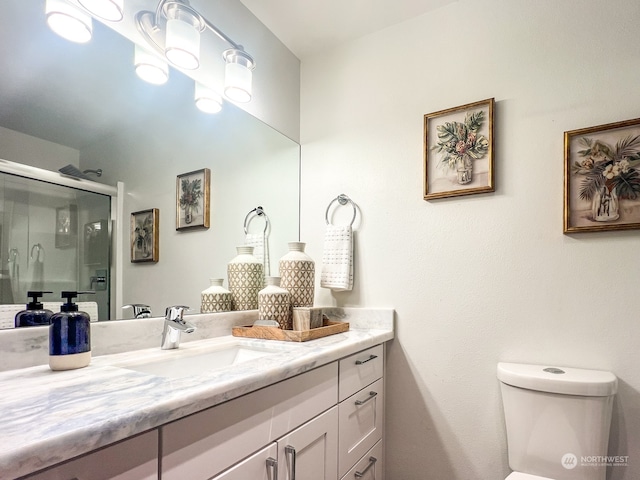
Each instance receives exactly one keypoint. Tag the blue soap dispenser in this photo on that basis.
(35, 314)
(69, 336)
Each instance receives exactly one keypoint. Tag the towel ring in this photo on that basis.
(342, 199)
(259, 212)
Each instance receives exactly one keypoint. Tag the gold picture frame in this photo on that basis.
(458, 151)
(193, 199)
(145, 236)
(602, 177)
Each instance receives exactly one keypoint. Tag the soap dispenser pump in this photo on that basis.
(35, 314)
(69, 336)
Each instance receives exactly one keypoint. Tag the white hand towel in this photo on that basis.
(337, 258)
(260, 244)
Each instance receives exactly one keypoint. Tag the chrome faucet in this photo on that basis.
(174, 325)
(139, 310)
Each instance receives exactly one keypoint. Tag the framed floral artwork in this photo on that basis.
(192, 199)
(458, 151)
(602, 178)
(145, 236)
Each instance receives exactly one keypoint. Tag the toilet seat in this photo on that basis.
(525, 476)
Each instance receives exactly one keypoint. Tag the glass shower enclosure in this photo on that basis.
(54, 238)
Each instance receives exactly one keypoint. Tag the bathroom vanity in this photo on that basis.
(314, 405)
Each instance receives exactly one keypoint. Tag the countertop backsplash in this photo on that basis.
(29, 346)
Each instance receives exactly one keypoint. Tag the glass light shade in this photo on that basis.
(149, 67)
(68, 21)
(111, 10)
(182, 41)
(238, 75)
(207, 100)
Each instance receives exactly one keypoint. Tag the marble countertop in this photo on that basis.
(49, 417)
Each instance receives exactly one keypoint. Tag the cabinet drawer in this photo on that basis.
(360, 424)
(359, 370)
(132, 459)
(202, 445)
(260, 466)
(370, 467)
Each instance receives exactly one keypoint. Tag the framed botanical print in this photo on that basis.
(458, 151)
(602, 177)
(145, 236)
(192, 199)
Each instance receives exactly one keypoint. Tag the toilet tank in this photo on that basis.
(557, 419)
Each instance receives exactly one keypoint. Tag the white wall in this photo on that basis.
(21, 148)
(480, 279)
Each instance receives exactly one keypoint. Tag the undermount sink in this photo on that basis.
(182, 362)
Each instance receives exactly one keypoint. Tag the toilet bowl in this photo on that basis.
(554, 417)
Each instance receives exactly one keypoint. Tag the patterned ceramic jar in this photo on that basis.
(216, 298)
(274, 303)
(246, 279)
(297, 273)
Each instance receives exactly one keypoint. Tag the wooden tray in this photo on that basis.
(275, 333)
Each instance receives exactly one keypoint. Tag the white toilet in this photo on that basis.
(557, 421)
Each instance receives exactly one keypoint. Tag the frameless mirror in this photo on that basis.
(63, 103)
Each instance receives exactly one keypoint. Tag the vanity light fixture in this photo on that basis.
(68, 21)
(149, 67)
(206, 99)
(174, 30)
(237, 75)
(111, 10)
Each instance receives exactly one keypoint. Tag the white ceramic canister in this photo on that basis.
(274, 303)
(297, 273)
(216, 298)
(246, 278)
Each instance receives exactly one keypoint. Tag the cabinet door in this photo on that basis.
(310, 452)
(132, 459)
(260, 466)
(369, 467)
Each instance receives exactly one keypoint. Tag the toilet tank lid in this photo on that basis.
(563, 380)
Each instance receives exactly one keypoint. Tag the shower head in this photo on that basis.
(74, 172)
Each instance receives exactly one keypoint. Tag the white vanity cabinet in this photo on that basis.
(324, 424)
(132, 459)
(203, 445)
(361, 411)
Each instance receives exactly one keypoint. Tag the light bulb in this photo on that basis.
(111, 10)
(68, 21)
(149, 67)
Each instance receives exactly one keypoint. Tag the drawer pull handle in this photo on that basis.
(371, 357)
(372, 462)
(371, 395)
(272, 468)
(290, 453)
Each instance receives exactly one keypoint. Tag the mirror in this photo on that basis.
(87, 101)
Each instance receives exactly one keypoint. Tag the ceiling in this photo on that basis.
(307, 27)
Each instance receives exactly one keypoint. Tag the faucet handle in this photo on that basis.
(175, 312)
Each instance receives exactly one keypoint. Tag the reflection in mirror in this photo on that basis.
(52, 238)
(63, 103)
